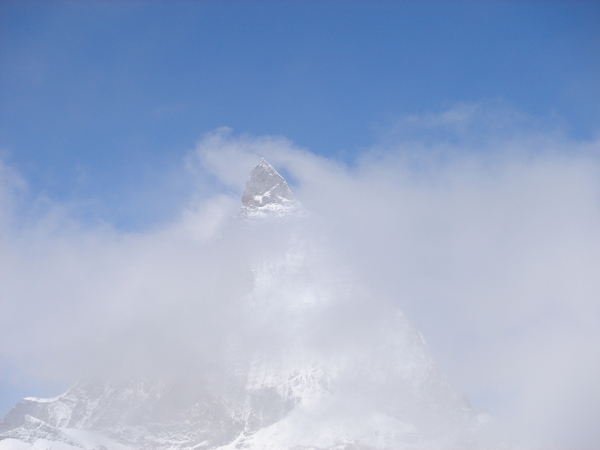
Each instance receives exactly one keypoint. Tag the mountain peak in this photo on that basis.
(266, 193)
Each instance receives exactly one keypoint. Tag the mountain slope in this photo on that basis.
(328, 371)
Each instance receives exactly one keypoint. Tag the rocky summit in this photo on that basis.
(267, 194)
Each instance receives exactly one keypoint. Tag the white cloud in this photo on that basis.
(491, 245)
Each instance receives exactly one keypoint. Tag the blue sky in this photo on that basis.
(102, 106)
(99, 99)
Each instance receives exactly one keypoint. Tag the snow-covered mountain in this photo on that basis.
(267, 194)
(375, 388)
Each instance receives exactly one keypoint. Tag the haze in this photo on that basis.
(465, 192)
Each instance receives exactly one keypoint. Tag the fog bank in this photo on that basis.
(483, 226)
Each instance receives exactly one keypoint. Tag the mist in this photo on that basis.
(480, 224)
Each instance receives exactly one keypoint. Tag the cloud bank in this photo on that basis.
(481, 224)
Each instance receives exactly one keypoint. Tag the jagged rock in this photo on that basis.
(267, 194)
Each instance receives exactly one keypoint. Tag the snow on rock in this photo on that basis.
(267, 194)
